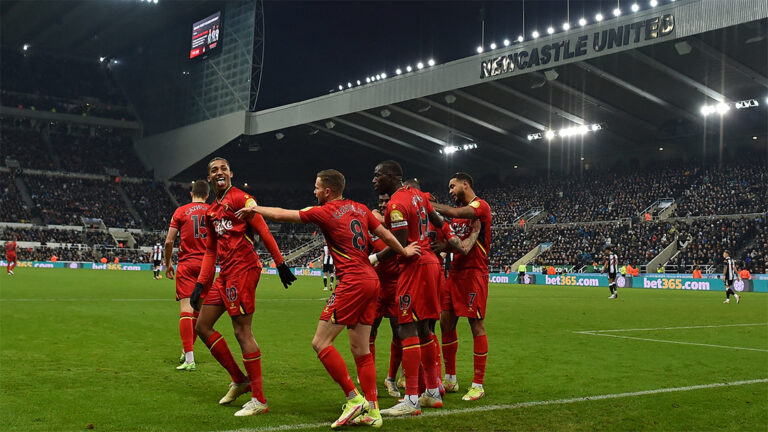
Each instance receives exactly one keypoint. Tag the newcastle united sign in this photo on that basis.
(601, 41)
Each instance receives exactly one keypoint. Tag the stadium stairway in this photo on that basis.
(24, 192)
(130, 207)
(531, 255)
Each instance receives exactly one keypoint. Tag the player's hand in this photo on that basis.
(169, 271)
(246, 212)
(438, 247)
(286, 276)
(194, 299)
(476, 225)
(377, 214)
(412, 250)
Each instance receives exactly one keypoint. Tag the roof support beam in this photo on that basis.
(500, 110)
(382, 136)
(536, 102)
(685, 79)
(636, 90)
(403, 128)
(467, 117)
(729, 61)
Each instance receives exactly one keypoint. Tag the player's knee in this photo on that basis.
(319, 344)
(203, 330)
(477, 326)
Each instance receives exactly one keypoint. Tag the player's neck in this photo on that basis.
(198, 200)
(467, 201)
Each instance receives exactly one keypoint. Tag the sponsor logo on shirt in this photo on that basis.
(222, 226)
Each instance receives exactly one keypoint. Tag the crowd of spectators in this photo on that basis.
(12, 207)
(43, 235)
(706, 239)
(152, 202)
(735, 189)
(23, 144)
(755, 257)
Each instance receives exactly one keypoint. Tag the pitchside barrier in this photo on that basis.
(758, 283)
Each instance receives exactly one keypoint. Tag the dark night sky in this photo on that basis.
(313, 46)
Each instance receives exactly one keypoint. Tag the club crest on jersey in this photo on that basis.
(395, 216)
(474, 204)
(222, 226)
(461, 230)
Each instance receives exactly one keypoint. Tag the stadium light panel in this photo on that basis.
(596, 127)
(479, 50)
(617, 12)
(367, 79)
(599, 17)
(566, 26)
(349, 85)
(635, 7)
(378, 77)
(506, 42)
(101, 59)
(549, 134)
(358, 82)
(341, 87)
(493, 45)
(582, 22)
(654, 3)
(155, 2)
(661, 148)
(431, 62)
(420, 65)
(383, 75)
(722, 108)
(25, 47)
(398, 71)
(520, 38)
(535, 34)
(582, 158)
(754, 138)
(706, 110)
(550, 30)
(408, 68)
(515, 166)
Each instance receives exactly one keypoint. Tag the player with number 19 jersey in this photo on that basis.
(189, 220)
(417, 287)
(345, 225)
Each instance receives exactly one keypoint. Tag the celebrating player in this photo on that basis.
(188, 221)
(466, 293)
(408, 215)
(729, 276)
(611, 265)
(10, 256)
(232, 241)
(345, 225)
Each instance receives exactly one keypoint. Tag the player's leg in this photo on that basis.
(728, 291)
(395, 357)
(372, 338)
(333, 276)
(476, 391)
(366, 370)
(450, 343)
(409, 336)
(438, 356)
(216, 343)
(252, 362)
(187, 321)
(431, 397)
(325, 279)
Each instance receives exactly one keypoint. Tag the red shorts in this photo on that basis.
(186, 278)
(417, 292)
(466, 294)
(352, 303)
(10, 257)
(236, 291)
(387, 302)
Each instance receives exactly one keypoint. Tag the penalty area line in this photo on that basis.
(486, 408)
(673, 328)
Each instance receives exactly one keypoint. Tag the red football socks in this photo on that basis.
(223, 355)
(450, 346)
(481, 356)
(372, 347)
(252, 363)
(187, 330)
(336, 367)
(366, 371)
(411, 362)
(438, 357)
(429, 362)
(395, 357)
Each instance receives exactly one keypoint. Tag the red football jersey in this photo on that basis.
(478, 255)
(234, 237)
(189, 219)
(409, 208)
(345, 225)
(388, 270)
(10, 247)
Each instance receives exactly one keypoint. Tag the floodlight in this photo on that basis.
(25, 47)
(378, 77)
(479, 50)
(398, 71)
(493, 45)
(654, 3)
(550, 30)
(349, 85)
(582, 22)
(635, 7)
(431, 62)
(515, 166)
(367, 79)
(722, 108)
(358, 82)
(341, 87)
(101, 59)
(661, 148)
(707, 110)
(520, 38)
(420, 65)
(383, 75)
(616, 12)
(408, 68)
(535, 34)
(506, 42)
(599, 17)
(549, 134)
(566, 26)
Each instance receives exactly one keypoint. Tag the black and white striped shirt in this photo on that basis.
(157, 252)
(730, 269)
(327, 258)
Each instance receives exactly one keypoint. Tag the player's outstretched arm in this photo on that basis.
(395, 245)
(465, 212)
(170, 239)
(207, 268)
(276, 214)
(258, 223)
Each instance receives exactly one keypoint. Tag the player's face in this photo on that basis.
(383, 200)
(456, 189)
(321, 192)
(220, 175)
(382, 182)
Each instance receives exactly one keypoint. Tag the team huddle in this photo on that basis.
(388, 265)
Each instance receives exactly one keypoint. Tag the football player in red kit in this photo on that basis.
(188, 222)
(345, 225)
(10, 256)
(231, 240)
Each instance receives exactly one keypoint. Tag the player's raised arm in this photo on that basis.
(258, 223)
(276, 214)
(464, 212)
(453, 240)
(395, 245)
(170, 239)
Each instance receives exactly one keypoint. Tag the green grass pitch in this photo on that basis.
(97, 349)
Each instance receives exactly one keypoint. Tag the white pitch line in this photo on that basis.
(485, 408)
(672, 328)
(674, 342)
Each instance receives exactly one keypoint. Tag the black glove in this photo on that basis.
(194, 299)
(286, 276)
